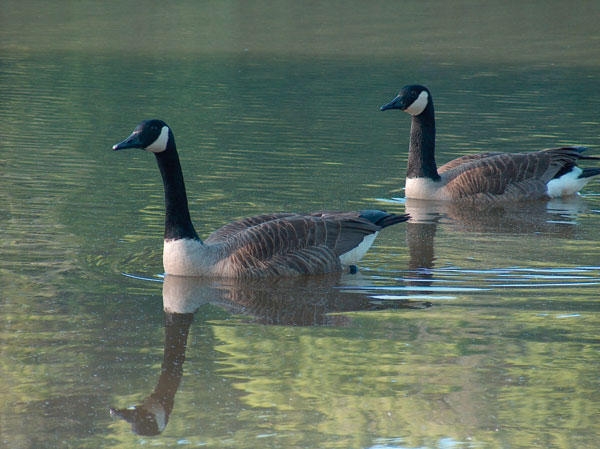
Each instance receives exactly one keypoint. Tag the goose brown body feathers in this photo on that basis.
(484, 177)
(281, 244)
(506, 176)
(290, 244)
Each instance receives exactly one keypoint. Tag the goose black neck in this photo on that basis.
(421, 155)
(178, 224)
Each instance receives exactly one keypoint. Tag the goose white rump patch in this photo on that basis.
(568, 184)
(354, 255)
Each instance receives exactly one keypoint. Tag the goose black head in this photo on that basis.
(412, 99)
(150, 135)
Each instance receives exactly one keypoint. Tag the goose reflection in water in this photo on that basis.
(283, 301)
(553, 218)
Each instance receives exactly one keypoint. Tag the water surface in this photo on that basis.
(465, 328)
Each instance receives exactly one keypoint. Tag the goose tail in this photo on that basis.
(382, 218)
(580, 150)
(589, 172)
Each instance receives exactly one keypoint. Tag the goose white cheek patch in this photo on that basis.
(160, 144)
(419, 104)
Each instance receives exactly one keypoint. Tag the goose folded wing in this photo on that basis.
(464, 160)
(229, 230)
(298, 244)
(508, 173)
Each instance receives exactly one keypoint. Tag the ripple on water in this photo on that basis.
(451, 283)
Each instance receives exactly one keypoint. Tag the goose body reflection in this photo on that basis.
(305, 301)
(555, 217)
(302, 301)
(270, 245)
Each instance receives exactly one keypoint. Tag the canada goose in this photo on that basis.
(281, 244)
(483, 177)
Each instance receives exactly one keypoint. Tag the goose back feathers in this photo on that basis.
(511, 176)
(281, 244)
(484, 177)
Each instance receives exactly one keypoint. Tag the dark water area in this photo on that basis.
(467, 327)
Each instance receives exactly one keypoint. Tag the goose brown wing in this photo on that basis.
(226, 232)
(297, 244)
(465, 160)
(508, 176)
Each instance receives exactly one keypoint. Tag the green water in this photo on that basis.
(464, 328)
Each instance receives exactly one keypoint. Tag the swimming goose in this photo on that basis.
(485, 177)
(281, 244)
